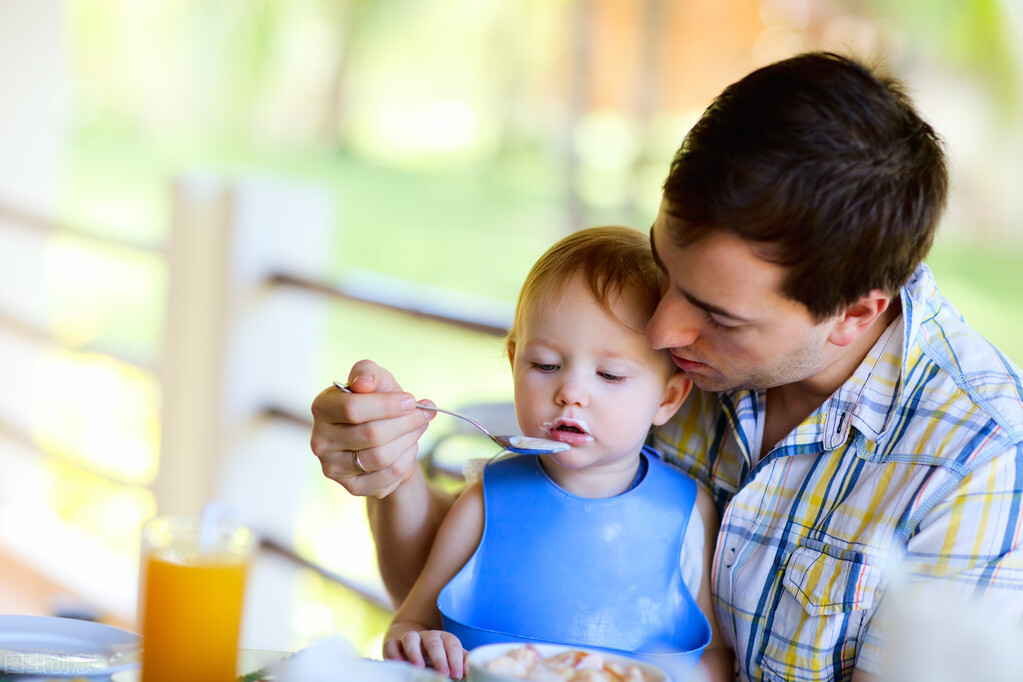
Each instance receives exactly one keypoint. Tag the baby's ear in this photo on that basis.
(675, 392)
(510, 348)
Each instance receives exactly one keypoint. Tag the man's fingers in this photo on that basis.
(401, 439)
(333, 434)
(367, 376)
(382, 483)
(388, 432)
(335, 406)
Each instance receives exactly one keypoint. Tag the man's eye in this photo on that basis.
(607, 376)
(715, 324)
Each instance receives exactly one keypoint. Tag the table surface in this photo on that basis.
(249, 660)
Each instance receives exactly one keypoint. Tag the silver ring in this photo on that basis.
(358, 464)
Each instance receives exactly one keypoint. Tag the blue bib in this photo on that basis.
(601, 573)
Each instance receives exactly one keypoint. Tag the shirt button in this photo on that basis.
(729, 557)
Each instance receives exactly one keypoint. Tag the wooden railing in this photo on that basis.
(233, 250)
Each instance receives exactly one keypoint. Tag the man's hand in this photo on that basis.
(368, 440)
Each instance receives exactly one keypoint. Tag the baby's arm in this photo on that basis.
(415, 633)
(717, 662)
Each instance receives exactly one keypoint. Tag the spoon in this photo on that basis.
(522, 445)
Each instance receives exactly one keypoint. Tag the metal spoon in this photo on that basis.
(522, 445)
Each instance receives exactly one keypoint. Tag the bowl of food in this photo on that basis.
(556, 662)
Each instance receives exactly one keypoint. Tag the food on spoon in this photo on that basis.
(527, 663)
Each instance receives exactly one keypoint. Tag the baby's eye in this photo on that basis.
(543, 366)
(607, 376)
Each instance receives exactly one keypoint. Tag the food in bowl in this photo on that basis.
(527, 662)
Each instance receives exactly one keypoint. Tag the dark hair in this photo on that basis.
(822, 164)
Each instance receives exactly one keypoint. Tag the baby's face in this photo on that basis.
(584, 378)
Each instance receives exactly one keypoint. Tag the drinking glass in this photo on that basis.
(192, 576)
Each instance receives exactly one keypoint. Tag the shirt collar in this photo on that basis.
(867, 401)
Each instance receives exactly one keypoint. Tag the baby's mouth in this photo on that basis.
(567, 430)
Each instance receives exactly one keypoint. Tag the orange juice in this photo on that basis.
(190, 608)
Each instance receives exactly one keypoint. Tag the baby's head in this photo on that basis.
(584, 373)
(612, 260)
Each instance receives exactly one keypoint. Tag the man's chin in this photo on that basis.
(714, 384)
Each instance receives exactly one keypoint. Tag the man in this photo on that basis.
(855, 432)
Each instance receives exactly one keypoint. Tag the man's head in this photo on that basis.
(825, 168)
(793, 212)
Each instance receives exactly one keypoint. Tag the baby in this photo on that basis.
(581, 547)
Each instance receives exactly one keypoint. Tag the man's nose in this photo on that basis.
(674, 324)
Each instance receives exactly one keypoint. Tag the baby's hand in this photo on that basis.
(435, 648)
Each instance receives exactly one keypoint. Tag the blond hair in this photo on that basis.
(610, 259)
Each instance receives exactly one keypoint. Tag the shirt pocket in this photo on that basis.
(821, 612)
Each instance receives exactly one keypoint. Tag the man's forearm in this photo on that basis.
(403, 525)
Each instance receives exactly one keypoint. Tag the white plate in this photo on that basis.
(64, 647)
(307, 665)
(481, 655)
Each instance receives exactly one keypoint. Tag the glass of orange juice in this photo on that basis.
(191, 593)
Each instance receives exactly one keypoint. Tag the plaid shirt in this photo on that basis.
(916, 461)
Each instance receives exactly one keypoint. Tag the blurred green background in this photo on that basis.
(461, 137)
(457, 139)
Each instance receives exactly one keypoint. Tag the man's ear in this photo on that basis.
(858, 316)
(675, 393)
